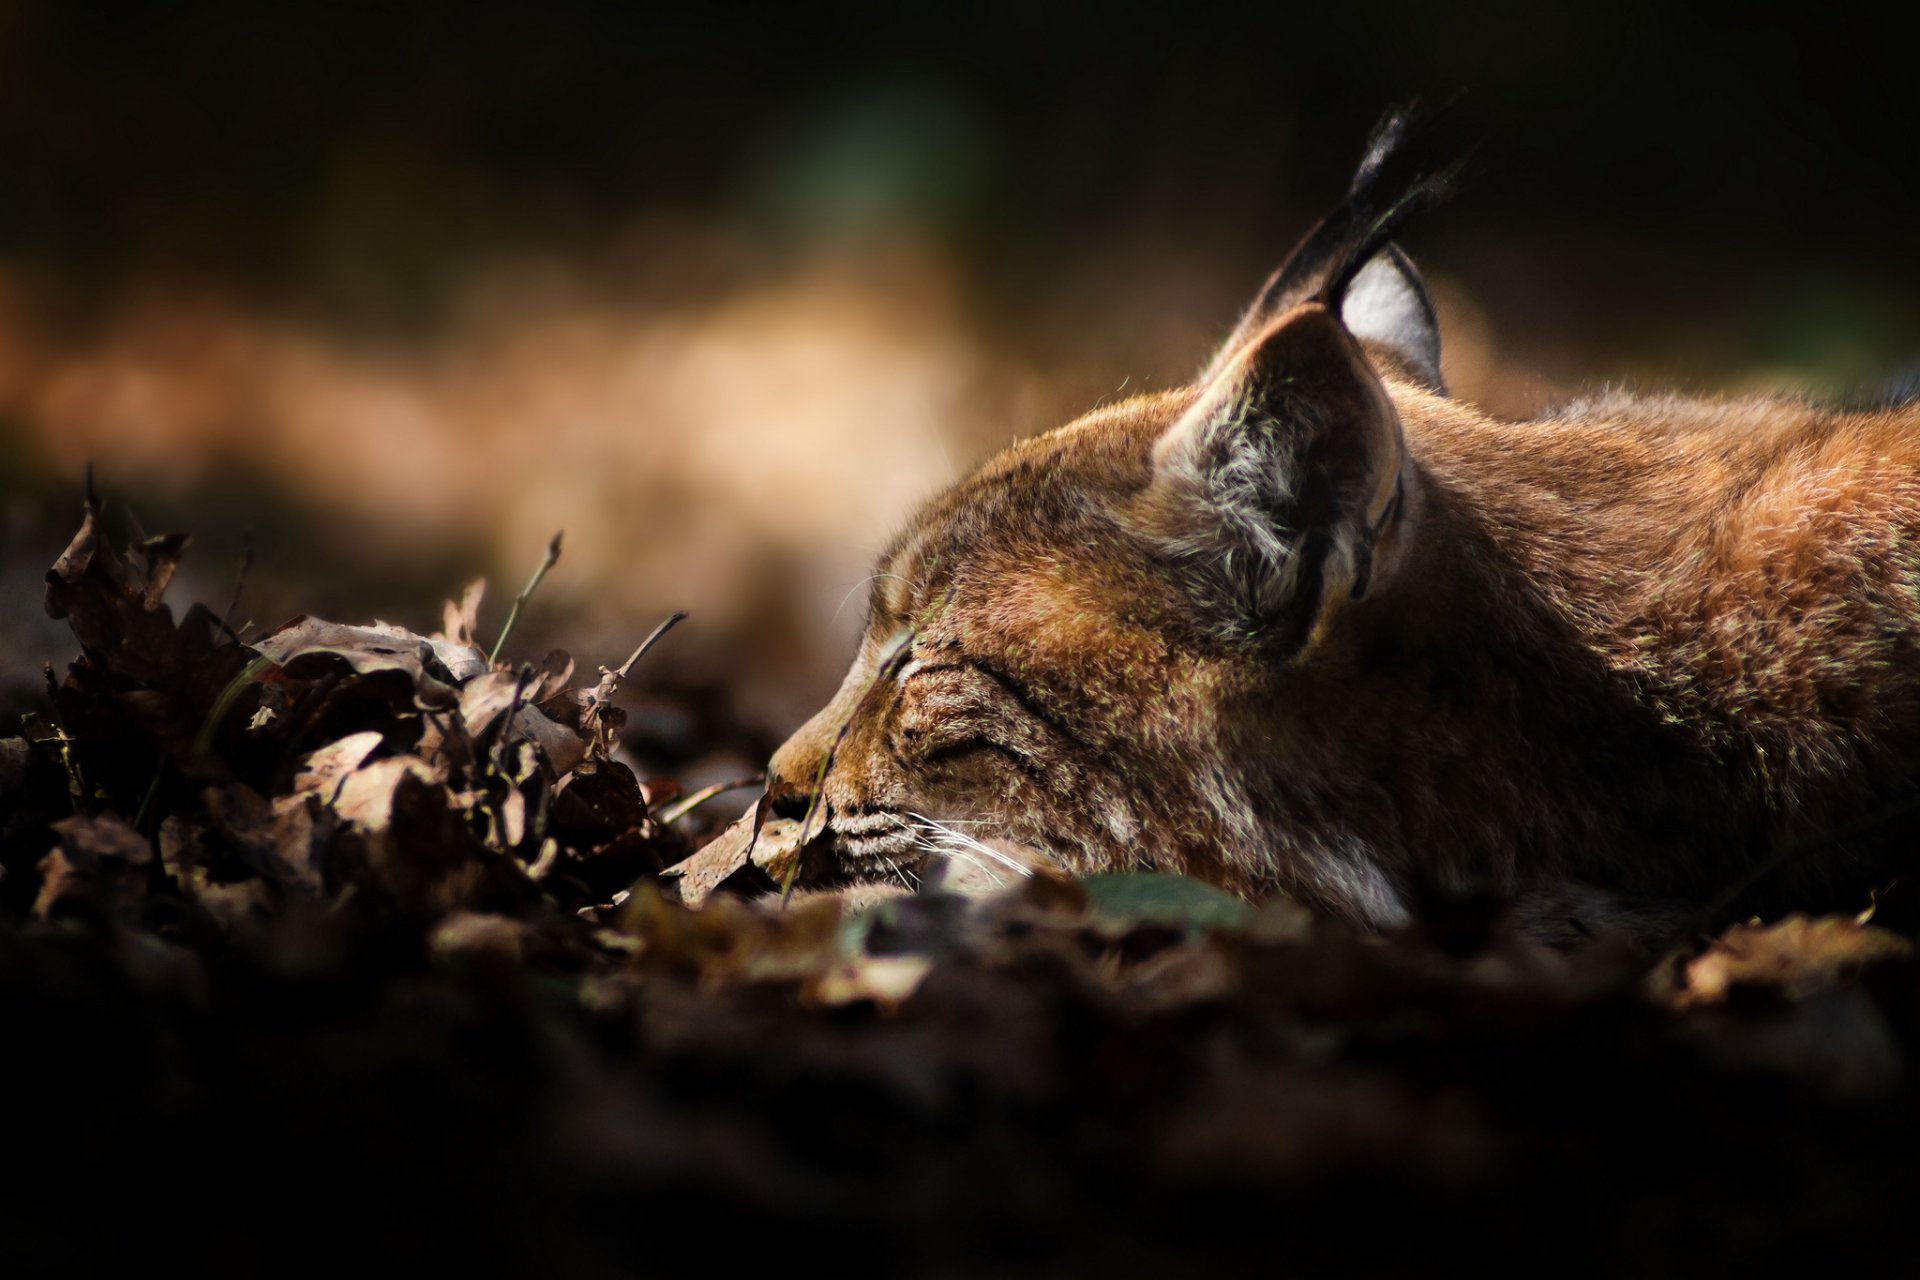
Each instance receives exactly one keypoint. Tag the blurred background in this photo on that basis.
(390, 292)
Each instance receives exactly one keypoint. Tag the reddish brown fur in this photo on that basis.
(1613, 663)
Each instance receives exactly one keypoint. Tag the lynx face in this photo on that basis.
(1310, 626)
(1068, 656)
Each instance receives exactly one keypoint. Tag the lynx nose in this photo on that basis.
(792, 775)
(785, 800)
(794, 771)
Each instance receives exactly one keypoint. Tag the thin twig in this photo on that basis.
(814, 804)
(897, 657)
(239, 585)
(76, 786)
(687, 804)
(526, 593)
(592, 723)
(678, 616)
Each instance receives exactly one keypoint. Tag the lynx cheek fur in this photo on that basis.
(1311, 626)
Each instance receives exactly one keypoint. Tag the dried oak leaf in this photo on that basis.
(507, 820)
(98, 862)
(225, 887)
(460, 621)
(282, 840)
(487, 698)
(661, 792)
(302, 829)
(159, 559)
(600, 814)
(1202, 970)
(113, 604)
(732, 941)
(307, 647)
(16, 755)
(35, 791)
(593, 804)
(364, 798)
(408, 843)
(740, 861)
(462, 662)
(555, 677)
(886, 981)
(1795, 956)
(321, 772)
(139, 676)
(605, 869)
(100, 593)
(596, 717)
(477, 938)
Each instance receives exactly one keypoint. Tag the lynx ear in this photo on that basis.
(1387, 305)
(1283, 485)
(1348, 262)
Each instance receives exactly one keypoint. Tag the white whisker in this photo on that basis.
(947, 840)
(964, 856)
(895, 868)
(872, 577)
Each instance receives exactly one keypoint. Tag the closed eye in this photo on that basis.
(957, 752)
(971, 746)
(1012, 689)
(961, 715)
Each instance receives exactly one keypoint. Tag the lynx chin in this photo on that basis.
(1310, 626)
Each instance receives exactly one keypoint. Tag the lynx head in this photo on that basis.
(1103, 647)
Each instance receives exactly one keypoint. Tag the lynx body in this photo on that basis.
(1311, 626)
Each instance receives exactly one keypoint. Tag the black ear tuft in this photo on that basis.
(1387, 190)
(1372, 215)
(1388, 136)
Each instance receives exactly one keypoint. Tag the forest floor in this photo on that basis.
(345, 946)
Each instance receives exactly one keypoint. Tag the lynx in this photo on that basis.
(1309, 626)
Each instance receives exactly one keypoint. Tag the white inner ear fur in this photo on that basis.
(1387, 304)
(1232, 465)
(1229, 468)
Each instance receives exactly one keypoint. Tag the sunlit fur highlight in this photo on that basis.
(1627, 654)
(1310, 627)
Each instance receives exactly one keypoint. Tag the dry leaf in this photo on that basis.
(460, 622)
(736, 852)
(471, 935)
(1794, 956)
(100, 861)
(887, 981)
(234, 895)
(484, 700)
(323, 770)
(307, 646)
(365, 797)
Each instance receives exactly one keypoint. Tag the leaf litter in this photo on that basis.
(352, 946)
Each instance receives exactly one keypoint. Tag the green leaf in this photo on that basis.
(1162, 898)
